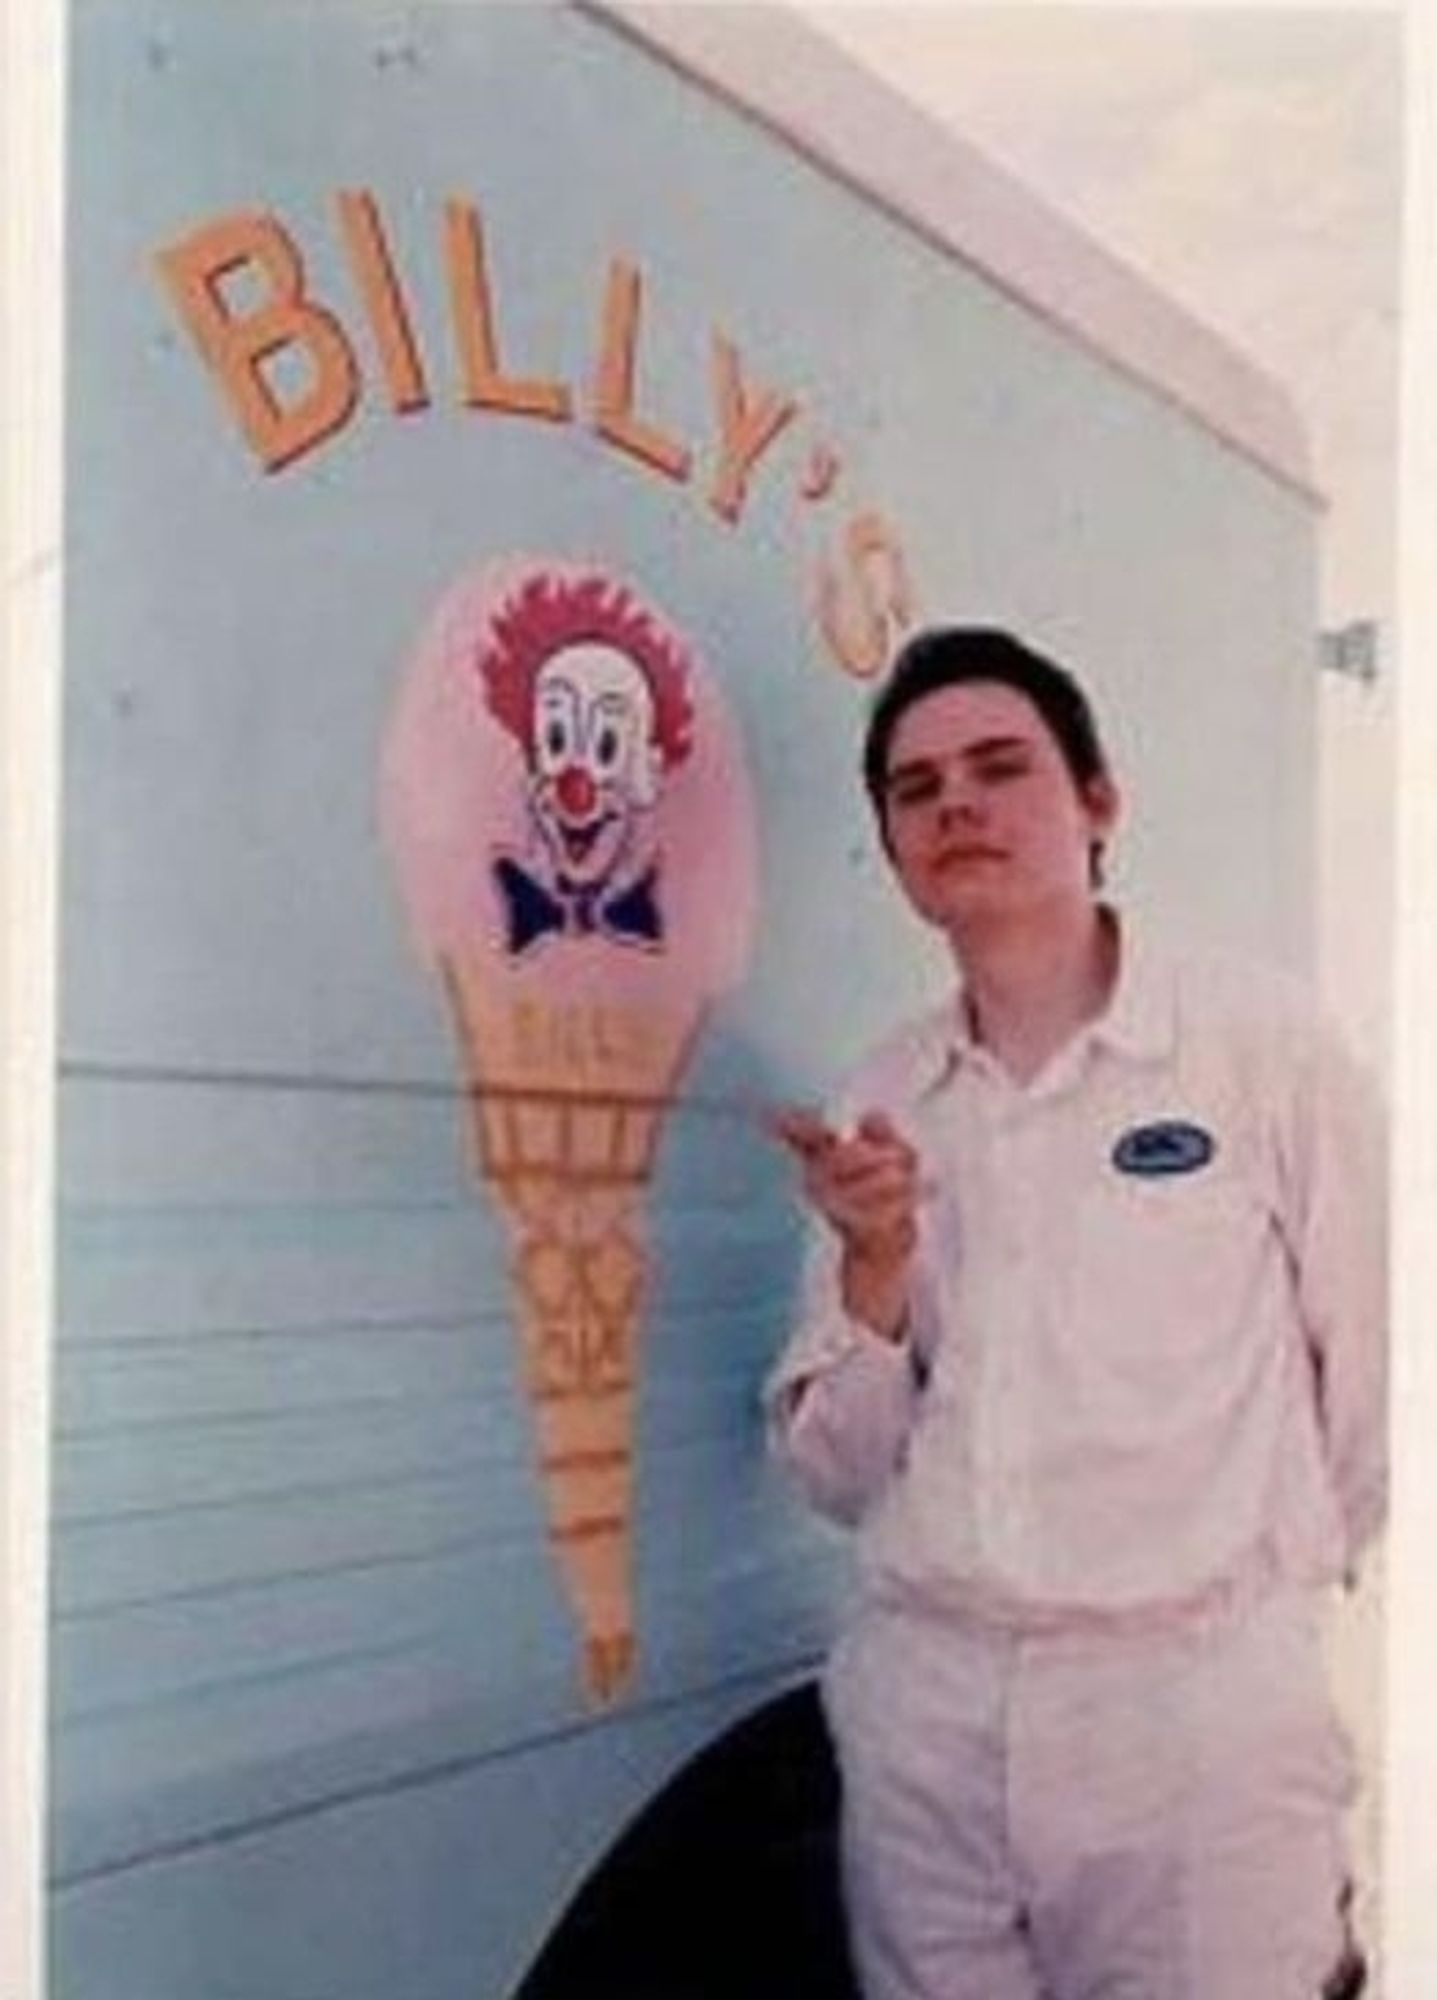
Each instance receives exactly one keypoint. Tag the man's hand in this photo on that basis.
(866, 1187)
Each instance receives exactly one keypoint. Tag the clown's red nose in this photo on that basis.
(576, 792)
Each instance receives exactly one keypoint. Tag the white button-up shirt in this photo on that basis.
(1145, 1353)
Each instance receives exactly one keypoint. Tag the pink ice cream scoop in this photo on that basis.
(569, 814)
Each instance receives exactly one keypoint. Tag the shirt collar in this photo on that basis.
(1139, 1020)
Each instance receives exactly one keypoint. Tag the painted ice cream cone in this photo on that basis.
(565, 1131)
(572, 828)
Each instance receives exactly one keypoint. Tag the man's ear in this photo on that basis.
(1104, 803)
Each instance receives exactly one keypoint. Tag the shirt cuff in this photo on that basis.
(849, 1345)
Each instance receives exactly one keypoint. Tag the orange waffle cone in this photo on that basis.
(567, 1112)
(580, 1281)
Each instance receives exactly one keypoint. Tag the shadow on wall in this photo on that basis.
(726, 1885)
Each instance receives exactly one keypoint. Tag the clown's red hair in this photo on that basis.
(551, 610)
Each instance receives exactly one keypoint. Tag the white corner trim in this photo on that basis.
(770, 64)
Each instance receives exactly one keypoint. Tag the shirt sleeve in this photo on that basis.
(841, 1402)
(1336, 1163)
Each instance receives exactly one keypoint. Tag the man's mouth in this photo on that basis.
(964, 855)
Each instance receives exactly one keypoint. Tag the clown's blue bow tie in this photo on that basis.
(533, 910)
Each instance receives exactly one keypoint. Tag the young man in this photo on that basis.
(1092, 1355)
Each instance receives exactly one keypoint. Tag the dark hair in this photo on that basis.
(949, 655)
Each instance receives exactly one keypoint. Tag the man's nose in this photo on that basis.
(576, 791)
(958, 797)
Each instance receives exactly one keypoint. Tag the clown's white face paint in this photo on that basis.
(596, 767)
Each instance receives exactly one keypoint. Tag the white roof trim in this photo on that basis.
(773, 66)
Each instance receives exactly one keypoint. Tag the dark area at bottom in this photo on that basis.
(726, 1885)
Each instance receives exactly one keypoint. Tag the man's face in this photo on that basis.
(595, 766)
(984, 818)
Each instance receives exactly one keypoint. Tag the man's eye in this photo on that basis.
(606, 750)
(556, 737)
(918, 789)
(997, 770)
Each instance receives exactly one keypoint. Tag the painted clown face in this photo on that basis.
(596, 767)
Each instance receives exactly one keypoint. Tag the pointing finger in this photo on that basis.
(803, 1131)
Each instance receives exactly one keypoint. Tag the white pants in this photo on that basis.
(1092, 1818)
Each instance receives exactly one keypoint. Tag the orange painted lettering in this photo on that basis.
(378, 283)
(613, 411)
(235, 344)
(749, 421)
(485, 385)
(862, 613)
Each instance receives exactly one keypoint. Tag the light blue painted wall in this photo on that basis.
(315, 1730)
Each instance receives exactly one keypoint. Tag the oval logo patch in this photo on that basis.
(1171, 1146)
